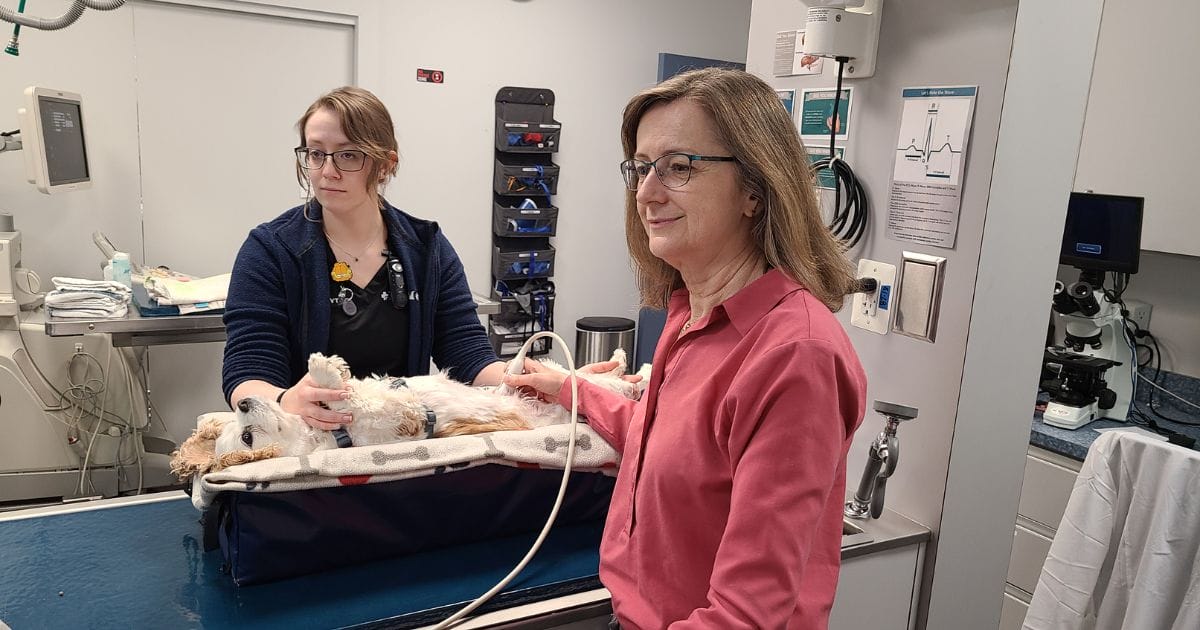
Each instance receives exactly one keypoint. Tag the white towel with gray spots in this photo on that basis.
(537, 448)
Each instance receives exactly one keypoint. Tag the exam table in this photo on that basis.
(138, 562)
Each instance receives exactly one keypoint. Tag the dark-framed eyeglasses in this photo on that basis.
(673, 169)
(348, 160)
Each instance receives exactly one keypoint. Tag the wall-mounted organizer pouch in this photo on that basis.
(507, 337)
(522, 258)
(525, 174)
(527, 137)
(526, 298)
(523, 218)
(525, 121)
(529, 216)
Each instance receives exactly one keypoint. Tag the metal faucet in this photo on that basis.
(881, 462)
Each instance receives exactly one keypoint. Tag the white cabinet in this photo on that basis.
(878, 590)
(1125, 118)
(1049, 478)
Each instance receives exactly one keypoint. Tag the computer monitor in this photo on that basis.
(1103, 233)
(52, 135)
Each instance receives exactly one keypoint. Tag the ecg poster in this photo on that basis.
(931, 151)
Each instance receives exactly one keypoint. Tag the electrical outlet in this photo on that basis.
(1139, 313)
(873, 311)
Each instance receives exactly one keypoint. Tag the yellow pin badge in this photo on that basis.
(341, 272)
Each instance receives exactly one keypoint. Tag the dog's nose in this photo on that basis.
(244, 405)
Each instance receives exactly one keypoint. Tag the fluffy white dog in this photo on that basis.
(385, 410)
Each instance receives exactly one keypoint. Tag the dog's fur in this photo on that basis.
(382, 413)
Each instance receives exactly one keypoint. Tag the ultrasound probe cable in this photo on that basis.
(515, 368)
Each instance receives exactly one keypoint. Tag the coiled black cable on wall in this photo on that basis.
(849, 220)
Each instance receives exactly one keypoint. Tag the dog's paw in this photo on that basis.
(618, 355)
(328, 371)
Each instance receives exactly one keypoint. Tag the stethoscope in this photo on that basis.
(395, 294)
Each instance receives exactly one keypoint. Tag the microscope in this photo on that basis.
(1091, 375)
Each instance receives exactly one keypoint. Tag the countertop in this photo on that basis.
(889, 531)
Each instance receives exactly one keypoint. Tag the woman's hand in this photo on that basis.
(543, 381)
(547, 382)
(308, 400)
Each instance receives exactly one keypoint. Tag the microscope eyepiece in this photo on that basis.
(1063, 303)
(1084, 297)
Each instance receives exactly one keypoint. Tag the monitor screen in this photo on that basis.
(1103, 232)
(55, 140)
(62, 132)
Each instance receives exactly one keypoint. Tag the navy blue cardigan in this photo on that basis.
(277, 311)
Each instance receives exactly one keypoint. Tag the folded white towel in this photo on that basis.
(83, 284)
(62, 298)
(89, 313)
(80, 298)
(172, 291)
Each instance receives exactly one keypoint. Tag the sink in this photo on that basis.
(853, 535)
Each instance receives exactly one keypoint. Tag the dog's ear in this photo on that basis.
(197, 454)
(210, 425)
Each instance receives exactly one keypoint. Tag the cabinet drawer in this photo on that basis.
(1012, 613)
(1046, 488)
(1028, 554)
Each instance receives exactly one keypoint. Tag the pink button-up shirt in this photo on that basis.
(727, 509)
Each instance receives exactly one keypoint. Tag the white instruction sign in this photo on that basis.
(926, 193)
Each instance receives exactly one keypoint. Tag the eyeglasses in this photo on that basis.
(348, 160)
(673, 169)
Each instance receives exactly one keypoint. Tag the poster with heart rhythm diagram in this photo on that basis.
(931, 150)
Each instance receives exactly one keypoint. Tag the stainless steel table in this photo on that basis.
(135, 330)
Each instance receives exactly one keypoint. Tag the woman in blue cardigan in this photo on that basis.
(348, 274)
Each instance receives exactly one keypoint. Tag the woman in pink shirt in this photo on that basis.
(727, 508)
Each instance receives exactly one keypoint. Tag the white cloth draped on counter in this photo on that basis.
(1127, 552)
(176, 291)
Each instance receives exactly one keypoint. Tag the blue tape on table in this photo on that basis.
(142, 565)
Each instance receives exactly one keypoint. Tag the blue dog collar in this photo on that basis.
(430, 417)
(342, 437)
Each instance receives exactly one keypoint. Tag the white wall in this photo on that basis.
(961, 466)
(925, 43)
(93, 58)
(592, 54)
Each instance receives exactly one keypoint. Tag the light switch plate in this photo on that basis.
(873, 311)
(918, 297)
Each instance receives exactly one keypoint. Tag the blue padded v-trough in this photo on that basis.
(268, 536)
(141, 565)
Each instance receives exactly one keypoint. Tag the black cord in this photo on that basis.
(849, 220)
(1154, 390)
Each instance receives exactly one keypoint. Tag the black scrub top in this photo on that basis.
(374, 340)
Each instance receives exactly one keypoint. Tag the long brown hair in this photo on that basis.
(753, 125)
(367, 124)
